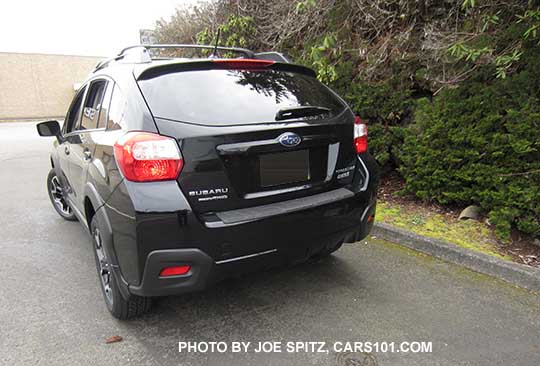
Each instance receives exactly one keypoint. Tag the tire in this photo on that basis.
(56, 195)
(117, 305)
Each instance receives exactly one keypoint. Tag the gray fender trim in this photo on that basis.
(107, 236)
(91, 192)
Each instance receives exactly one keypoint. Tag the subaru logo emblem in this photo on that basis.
(289, 139)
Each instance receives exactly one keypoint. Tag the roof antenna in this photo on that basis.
(217, 42)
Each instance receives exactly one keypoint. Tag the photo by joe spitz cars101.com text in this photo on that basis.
(186, 171)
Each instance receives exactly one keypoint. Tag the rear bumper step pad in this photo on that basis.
(279, 208)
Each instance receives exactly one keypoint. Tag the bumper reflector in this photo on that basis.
(174, 271)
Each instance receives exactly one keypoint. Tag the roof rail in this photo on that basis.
(247, 53)
(137, 54)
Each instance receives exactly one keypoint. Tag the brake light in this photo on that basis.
(174, 271)
(360, 135)
(148, 157)
(242, 63)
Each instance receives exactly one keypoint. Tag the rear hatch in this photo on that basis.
(251, 134)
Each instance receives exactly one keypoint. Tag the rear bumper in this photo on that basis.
(153, 226)
(280, 240)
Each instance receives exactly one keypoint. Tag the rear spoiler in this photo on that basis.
(217, 64)
(140, 54)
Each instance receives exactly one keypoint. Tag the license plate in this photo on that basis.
(284, 168)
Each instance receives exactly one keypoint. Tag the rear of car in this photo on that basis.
(271, 166)
(186, 172)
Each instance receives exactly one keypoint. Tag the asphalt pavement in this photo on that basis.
(52, 311)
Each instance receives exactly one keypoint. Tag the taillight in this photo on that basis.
(148, 157)
(360, 135)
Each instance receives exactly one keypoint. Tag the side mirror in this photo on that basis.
(49, 128)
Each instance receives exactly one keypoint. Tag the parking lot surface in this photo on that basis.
(52, 311)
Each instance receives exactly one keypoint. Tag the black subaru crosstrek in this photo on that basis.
(189, 170)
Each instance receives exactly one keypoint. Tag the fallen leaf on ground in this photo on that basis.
(114, 339)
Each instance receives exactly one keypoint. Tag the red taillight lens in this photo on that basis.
(174, 271)
(360, 135)
(148, 157)
(243, 63)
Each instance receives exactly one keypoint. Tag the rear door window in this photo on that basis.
(92, 104)
(231, 97)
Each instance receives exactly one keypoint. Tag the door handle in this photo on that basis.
(66, 150)
(87, 154)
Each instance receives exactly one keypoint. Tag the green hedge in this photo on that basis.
(386, 108)
(480, 144)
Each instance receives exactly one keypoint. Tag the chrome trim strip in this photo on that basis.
(246, 256)
(366, 180)
(219, 224)
(333, 151)
(242, 147)
(249, 196)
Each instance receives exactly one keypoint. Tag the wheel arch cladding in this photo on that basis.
(104, 225)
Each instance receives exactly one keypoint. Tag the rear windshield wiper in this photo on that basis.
(301, 111)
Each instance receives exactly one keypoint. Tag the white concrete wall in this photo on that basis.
(38, 85)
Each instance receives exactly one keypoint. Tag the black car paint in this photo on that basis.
(142, 218)
(207, 167)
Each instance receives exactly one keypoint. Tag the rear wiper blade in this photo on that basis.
(301, 111)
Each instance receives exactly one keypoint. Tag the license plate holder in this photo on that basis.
(282, 168)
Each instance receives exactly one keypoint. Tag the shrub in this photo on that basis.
(476, 143)
(480, 143)
(387, 109)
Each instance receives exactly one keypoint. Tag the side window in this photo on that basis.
(92, 104)
(116, 110)
(105, 104)
(74, 113)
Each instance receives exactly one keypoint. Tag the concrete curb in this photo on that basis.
(514, 273)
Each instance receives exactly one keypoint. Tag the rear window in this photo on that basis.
(231, 97)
